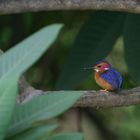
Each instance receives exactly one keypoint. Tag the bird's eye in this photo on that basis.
(99, 66)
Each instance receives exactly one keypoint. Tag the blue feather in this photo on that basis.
(113, 77)
(119, 77)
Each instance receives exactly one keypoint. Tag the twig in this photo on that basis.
(21, 6)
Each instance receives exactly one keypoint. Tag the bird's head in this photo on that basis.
(102, 66)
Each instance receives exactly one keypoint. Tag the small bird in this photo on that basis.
(106, 76)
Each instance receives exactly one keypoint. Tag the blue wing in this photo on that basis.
(119, 77)
(113, 77)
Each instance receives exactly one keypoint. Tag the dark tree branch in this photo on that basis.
(97, 99)
(26, 92)
(20, 6)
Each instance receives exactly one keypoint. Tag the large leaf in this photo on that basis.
(94, 41)
(7, 103)
(67, 136)
(35, 133)
(43, 107)
(132, 45)
(16, 60)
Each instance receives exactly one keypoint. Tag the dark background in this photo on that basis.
(103, 124)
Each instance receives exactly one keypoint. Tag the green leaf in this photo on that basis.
(93, 43)
(16, 60)
(7, 104)
(132, 45)
(67, 136)
(43, 107)
(35, 133)
(13, 63)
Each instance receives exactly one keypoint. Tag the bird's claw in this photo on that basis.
(105, 91)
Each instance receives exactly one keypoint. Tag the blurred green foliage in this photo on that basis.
(25, 117)
(120, 123)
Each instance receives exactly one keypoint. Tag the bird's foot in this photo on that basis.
(105, 91)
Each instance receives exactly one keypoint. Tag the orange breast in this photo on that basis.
(101, 82)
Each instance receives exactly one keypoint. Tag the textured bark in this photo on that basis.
(26, 92)
(20, 6)
(97, 99)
